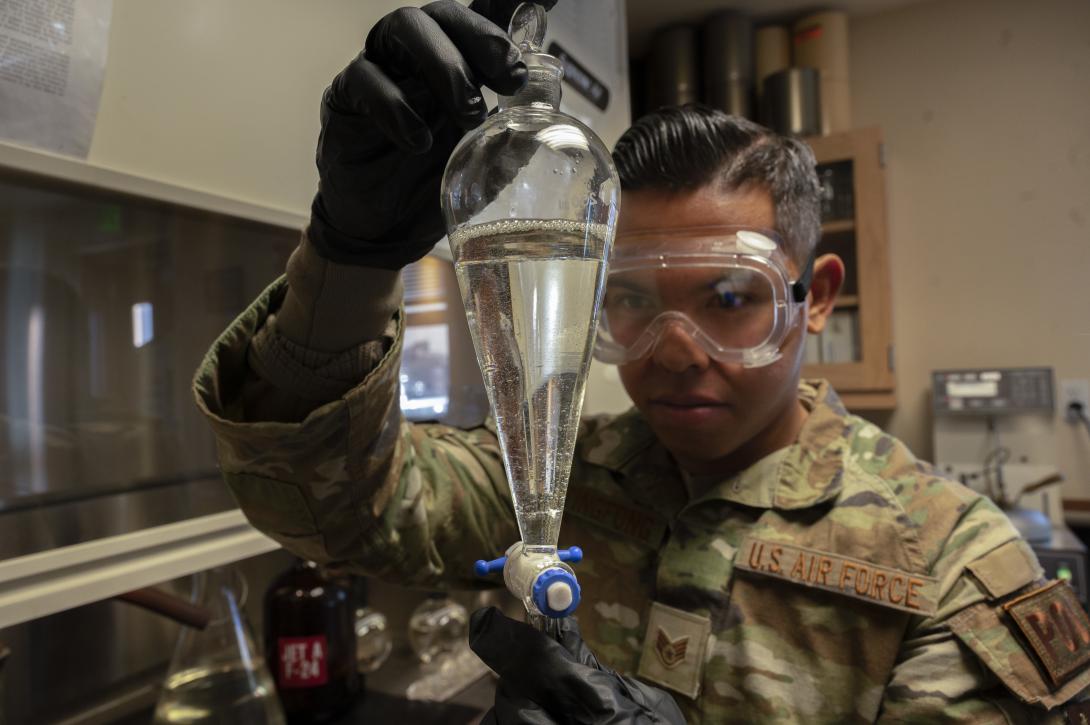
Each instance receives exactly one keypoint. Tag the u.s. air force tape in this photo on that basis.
(881, 585)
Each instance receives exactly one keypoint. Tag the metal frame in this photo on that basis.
(63, 168)
(40, 584)
(37, 585)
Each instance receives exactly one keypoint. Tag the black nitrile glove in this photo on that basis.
(391, 119)
(545, 681)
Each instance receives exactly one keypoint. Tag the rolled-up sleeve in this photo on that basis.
(350, 482)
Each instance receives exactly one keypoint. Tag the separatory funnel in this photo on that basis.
(530, 199)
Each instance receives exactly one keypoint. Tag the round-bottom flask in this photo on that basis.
(437, 628)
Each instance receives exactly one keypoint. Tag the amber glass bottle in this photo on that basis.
(310, 643)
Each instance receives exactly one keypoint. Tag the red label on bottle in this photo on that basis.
(303, 661)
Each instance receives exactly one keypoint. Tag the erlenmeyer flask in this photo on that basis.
(216, 675)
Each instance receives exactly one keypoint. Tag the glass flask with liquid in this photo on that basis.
(530, 199)
(216, 675)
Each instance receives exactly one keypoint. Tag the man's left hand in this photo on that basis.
(543, 681)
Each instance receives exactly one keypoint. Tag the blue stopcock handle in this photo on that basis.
(572, 554)
(555, 591)
(484, 568)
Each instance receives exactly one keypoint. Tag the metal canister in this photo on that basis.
(792, 102)
(728, 63)
(672, 77)
(821, 42)
(771, 52)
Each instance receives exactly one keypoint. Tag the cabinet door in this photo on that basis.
(855, 352)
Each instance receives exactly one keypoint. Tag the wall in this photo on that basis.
(986, 116)
(224, 96)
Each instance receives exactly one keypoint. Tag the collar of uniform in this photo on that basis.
(804, 474)
(799, 476)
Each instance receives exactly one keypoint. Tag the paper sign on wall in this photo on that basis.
(52, 60)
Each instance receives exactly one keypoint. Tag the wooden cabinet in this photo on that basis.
(855, 352)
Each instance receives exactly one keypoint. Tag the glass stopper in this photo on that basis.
(527, 28)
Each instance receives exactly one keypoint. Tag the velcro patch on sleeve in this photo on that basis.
(881, 585)
(1057, 628)
(1006, 568)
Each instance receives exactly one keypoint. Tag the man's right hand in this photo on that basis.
(391, 119)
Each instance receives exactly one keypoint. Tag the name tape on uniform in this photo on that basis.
(1056, 626)
(879, 585)
(619, 517)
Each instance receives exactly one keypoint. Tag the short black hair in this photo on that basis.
(685, 148)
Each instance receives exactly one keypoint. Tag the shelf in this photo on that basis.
(836, 227)
(847, 301)
(52, 581)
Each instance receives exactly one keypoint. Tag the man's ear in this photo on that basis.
(824, 287)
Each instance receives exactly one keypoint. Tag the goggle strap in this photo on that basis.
(801, 287)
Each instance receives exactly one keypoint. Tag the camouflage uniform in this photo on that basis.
(837, 580)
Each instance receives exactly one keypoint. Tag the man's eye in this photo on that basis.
(635, 302)
(729, 299)
(628, 301)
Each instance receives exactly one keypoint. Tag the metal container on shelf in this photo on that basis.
(792, 102)
(821, 42)
(672, 68)
(728, 63)
(772, 53)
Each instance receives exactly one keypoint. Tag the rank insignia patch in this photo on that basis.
(1056, 627)
(675, 648)
(671, 652)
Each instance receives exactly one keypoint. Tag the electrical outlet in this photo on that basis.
(1074, 391)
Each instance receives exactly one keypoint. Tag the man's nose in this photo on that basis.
(677, 351)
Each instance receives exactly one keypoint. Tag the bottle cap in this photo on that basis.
(556, 592)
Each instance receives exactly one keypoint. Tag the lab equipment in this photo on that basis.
(437, 628)
(727, 287)
(310, 634)
(530, 200)
(217, 674)
(727, 42)
(373, 640)
(994, 430)
(791, 102)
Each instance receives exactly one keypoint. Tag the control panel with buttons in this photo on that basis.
(992, 391)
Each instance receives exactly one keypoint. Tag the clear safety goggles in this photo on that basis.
(727, 288)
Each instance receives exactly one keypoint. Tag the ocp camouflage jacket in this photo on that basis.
(838, 580)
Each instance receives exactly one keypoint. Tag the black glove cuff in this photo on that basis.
(394, 252)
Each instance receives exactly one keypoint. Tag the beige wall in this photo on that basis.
(223, 97)
(985, 105)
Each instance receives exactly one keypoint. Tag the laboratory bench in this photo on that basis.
(383, 700)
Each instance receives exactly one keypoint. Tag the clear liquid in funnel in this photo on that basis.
(531, 290)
